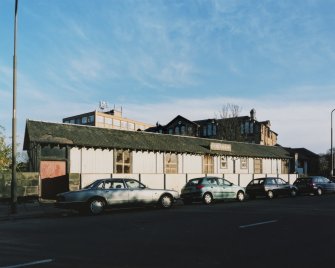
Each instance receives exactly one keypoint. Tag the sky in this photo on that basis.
(159, 59)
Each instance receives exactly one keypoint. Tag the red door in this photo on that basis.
(53, 178)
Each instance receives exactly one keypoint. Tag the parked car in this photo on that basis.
(270, 187)
(208, 189)
(317, 185)
(104, 193)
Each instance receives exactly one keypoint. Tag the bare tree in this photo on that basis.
(229, 124)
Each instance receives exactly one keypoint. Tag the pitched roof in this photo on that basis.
(39, 132)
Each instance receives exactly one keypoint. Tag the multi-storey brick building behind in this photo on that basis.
(241, 128)
(111, 119)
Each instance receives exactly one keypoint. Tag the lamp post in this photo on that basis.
(331, 144)
(13, 182)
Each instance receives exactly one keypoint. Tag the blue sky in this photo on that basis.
(158, 59)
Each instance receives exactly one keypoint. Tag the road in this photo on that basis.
(284, 232)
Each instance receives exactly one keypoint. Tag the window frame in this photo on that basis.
(243, 165)
(170, 167)
(122, 162)
(208, 164)
(260, 170)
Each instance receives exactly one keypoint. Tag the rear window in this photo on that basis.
(194, 182)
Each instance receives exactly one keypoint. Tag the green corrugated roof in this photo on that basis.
(94, 137)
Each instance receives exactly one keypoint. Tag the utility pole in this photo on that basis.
(14, 183)
(331, 144)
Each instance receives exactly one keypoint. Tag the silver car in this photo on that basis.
(104, 193)
(207, 189)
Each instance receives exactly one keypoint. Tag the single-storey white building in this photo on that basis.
(71, 156)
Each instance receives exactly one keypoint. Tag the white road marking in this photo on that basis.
(255, 224)
(28, 264)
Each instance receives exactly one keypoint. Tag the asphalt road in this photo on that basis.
(284, 232)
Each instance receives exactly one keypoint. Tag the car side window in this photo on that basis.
(100, 185)
(132, 184)
(108, 185)
(118, 185)
(280, 181)
(227, 183)
(213, 181)
(270, 182)
(221, 181)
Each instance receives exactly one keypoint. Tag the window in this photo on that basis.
(124, 124)
(224, 182)
(244, 163)
(131, 126)
(246, 127)
(117, 123)
(170, 131)
(214, 130)
(271, 181)
(100, 119)
(109, 121)
(209, 130)
(84, 120)
(132, 184)
(208, 164)
(171, 163)
(251, 127)
(284, 166)
(122, 161)
(204, 131)
(242, 128)
(90, 119)
(258, 167)
(224, 161)
(176, 130)
(280, 181)
(182, 130)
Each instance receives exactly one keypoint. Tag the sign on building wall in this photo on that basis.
(214, 146)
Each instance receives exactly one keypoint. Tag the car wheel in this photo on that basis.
(240, 196)
(165, 201)
(319, 192)
(269, 194)
(293, 193)
(207, 198)
(96, 206)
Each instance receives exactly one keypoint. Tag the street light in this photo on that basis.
(331, 144)
(13, 182)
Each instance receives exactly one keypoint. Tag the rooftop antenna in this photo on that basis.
(103, 105)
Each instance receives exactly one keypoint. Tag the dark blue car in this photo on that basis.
(317, 185)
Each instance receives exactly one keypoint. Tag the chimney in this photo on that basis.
(253, 114)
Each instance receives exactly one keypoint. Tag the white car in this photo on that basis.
(104, 193)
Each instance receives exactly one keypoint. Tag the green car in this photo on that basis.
(208, 189)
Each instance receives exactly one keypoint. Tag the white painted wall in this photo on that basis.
(91, 161)
(149, 168)
(144, 162)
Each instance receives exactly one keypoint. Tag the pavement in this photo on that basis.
(36, 208)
